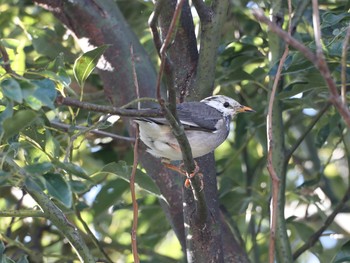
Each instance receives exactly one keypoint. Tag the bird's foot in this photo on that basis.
(189, 176)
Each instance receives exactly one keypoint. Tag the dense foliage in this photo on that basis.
(48, 147)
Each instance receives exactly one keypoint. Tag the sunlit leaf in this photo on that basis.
(10, 43)
(86, 63)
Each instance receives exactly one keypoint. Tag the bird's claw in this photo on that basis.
(190, 176)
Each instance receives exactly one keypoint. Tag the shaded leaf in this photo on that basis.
(78, 186)
(122, 170)
(19, 121)
(39, 168)
(108, 195)
(322, 135)
(73, 169)
(12, 90)
(51, 145)
(58, 188)
(86, 63)
(343, 255)
(46, 92)
(23, 259)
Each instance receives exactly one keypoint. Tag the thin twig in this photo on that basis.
(306, 132)
(6, 61)
(109, 109)
(165, 46)
(319, 63)
(315, 236)
(134, 201)
(81, 132)
(270, 165)
(66, 127)
(134, 169)
(92, 236)
(343, 65)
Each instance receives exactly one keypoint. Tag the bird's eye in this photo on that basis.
(226, 104)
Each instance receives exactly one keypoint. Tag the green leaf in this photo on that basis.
(58, 188)
(19, 121)
(51, 145)
(108, 195)
(34, 184)
(123, 171)
(10, 43)
(46, 92)
(39, 168)
(46, 41)
(78, 186)
(23, 259)
(86, 63)
(343, 255)
(12, 90)
(322, 135)
(73, 169)
(6, 114)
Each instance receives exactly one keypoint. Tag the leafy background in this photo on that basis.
(87, 175)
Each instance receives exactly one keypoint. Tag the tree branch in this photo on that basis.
(211, 28)
(109, 109)
(305, 133)
(319, 63)
(54, 214)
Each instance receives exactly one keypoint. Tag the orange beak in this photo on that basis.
(245, 109)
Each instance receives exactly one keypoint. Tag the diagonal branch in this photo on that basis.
(319, 63)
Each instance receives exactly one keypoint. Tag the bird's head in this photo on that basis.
(226, 105)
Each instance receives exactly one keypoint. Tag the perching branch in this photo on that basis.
(171, 116)
(109, 109)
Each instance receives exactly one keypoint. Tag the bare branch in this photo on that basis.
(134, 201)
(343, 65)
(109, 109)
(275, 178)
(66, 127)
(315, 236)
(134, 169)
(320, 63)
(306, 132)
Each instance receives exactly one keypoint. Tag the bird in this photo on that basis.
(206, 124)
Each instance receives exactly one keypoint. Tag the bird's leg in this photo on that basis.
(181, 170)
(175, 168)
